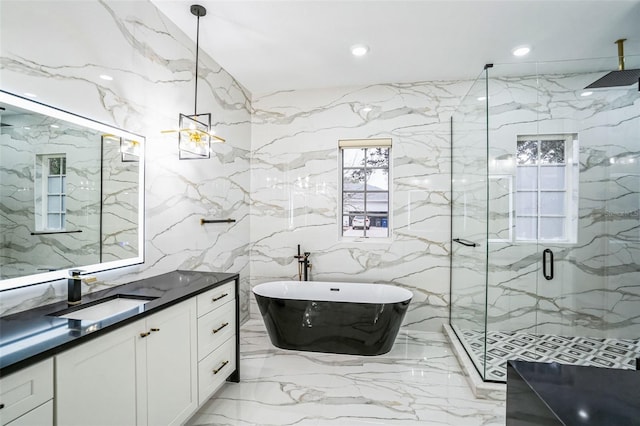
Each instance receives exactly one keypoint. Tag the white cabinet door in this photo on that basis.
(142, 374)
(96, 381)
(171, 365)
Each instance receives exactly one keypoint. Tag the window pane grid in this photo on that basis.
(365, 194)
(52, 176)
(546, 178)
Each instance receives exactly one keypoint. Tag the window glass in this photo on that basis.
(353, 157)
(552, 152)
(552, 203)
(526, 228)
(54, 166)
(54, 185)
(527, 178)
(527, 152)
(552, 177)
(353, 180)
(53, 221)
(552, 228)
(55, 203)
(365, 191)
(378, 180)
(527, 203)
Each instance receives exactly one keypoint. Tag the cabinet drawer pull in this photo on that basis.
(155, 329)
(215, 299)
(145, 334)
(217, 370)
(215, 330)
(1, 406)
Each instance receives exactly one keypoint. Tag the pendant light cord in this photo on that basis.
(195, 104)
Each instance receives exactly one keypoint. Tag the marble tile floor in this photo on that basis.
(502, 346)
(419, 382)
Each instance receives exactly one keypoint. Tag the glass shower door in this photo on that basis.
(469, 221)
(564, 178)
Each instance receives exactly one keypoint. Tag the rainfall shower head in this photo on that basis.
(620, 77)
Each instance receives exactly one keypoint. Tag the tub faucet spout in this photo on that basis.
(303, 264)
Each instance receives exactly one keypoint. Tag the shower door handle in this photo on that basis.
(465, 242)
(548, 275)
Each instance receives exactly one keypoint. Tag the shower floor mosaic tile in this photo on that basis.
(419, 382)
(503, 346)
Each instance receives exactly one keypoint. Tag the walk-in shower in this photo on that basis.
(545, 262)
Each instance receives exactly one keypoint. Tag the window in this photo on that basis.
(51, 182)
(365, 187)
(546, 179)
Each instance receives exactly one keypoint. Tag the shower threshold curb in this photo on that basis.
(480, 388)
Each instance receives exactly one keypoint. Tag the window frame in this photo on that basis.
(364, 144)
(569, 218)
(43, 163)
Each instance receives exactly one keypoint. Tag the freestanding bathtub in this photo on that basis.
(346, 318)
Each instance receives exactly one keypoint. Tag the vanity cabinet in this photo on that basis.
(142, 373)
(25, 396)
(216, 339)
(150, 367)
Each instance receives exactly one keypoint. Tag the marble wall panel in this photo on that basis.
(295, 195)
(59, 54)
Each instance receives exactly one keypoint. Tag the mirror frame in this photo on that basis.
(40, 108)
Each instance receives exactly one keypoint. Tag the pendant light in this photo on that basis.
(194, 130)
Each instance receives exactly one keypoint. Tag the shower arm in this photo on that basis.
(620, 43)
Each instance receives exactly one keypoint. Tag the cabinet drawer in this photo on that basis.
(215, 327)
(215, 368)
(41, 416)
(216, 297)
(26, 389)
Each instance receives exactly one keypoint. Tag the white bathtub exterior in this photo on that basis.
(324, 291)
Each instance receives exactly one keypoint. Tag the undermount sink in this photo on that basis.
(104, 308)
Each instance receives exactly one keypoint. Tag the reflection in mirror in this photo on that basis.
(70, 194)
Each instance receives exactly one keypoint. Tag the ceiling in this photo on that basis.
(303, 44)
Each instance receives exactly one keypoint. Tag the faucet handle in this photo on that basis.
(79, 273)
(76, 272)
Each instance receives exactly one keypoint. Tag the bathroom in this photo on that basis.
(276, 176)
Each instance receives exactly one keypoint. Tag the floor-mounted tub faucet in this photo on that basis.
(303, 264)
(74, 285)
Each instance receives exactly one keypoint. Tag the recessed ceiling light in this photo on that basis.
(106, 77)
(30, 95)
(586, 93)
(359, 50)
(521, 51)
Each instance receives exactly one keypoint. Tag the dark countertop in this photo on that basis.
(584, 395)
(33, 335)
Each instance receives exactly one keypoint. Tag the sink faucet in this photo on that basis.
(303, 264)
(74, 284)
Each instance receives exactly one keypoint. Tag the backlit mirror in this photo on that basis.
(71, 194)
